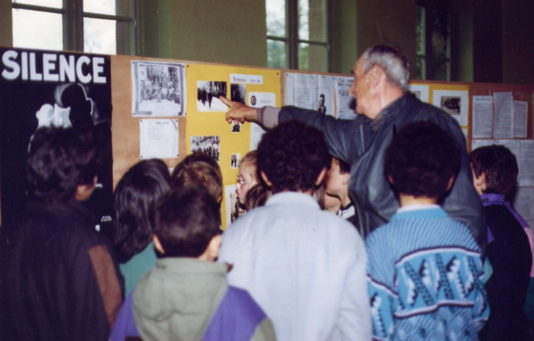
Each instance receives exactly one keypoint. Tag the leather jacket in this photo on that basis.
(362, 142)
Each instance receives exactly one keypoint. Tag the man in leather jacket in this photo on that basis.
(384, 105)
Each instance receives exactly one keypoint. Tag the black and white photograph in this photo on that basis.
(80, 100)
(451, 105)
(236, 127)
(208, 93)
(235, 159)
(158, 89)
(238, 93)
(233, 209)
(210, 145)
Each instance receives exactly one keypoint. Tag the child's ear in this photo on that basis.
(264, 177)
(480, 182)
(390, 179)
(321, 176)
(84, 191)
(157, 245)
(214, 246)
(451, 181)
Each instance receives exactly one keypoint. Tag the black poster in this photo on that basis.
(44, 88)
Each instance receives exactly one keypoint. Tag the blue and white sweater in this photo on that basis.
(425, 278)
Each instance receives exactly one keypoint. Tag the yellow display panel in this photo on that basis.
(203, 120)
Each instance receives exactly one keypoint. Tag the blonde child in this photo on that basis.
(247, 176)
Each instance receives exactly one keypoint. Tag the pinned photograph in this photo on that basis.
(451, 105)
(208, 93)
(238, 93)
(236, 127)
(234, 160)
(158, 89)
(233, 209)
(210, 145)
(453, 102)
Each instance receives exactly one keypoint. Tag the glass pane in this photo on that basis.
(99, 36)
(110, 7)
(276, 54)
(276, 17)
(44, 3)
(439, 70)
(313, 57)
(312, 20)
(40, 30)
(420, 30)
(440, 34)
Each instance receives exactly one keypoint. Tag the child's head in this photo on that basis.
(60, 166)
(257, 196)
(293, 157)
(337, 179)
(135, 199)
(187, 224)
(247, 176)
(199, 169)
(422, 160)
(494, 170)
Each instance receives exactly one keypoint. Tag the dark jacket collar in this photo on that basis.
(390, 111)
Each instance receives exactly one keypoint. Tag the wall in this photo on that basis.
(343, 36)
(231, 32)
(518, 49)
(387, 21)
(462, 40)
(6, 23)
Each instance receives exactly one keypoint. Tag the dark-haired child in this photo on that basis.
(58, 277)
(509, 252)
(304, 266)
(187, 297)
(135, 201)
(425, 269)
(337, 185)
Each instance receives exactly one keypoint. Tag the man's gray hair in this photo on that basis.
(391, 59)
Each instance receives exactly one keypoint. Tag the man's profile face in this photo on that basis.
(360, 88)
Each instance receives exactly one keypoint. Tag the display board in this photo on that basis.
(170, 108)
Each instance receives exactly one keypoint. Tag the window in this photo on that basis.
(297, 34)
(433, 44)
(94, 26)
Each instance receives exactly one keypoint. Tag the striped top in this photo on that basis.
(425, 278)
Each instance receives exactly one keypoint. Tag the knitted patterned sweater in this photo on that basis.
(425, 278)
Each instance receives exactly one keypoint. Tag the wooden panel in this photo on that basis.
(125, 127)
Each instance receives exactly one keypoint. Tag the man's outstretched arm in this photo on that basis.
(266, 116)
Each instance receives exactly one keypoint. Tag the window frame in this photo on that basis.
(73, 18)
(292, 40)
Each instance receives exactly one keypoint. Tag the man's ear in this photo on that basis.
(84, 191)
(321, 176)
(390, 179)
(157, 245)
(346, 178)
(376, 75)
(264, 177)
